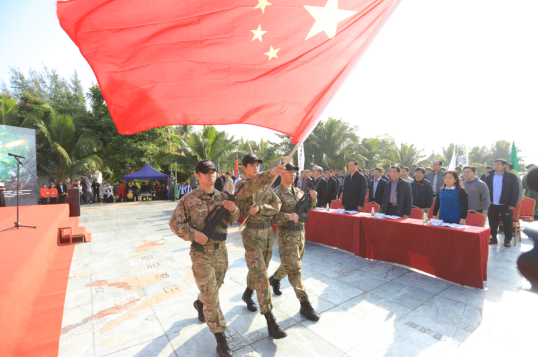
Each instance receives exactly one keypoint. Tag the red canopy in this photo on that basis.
(271, 63)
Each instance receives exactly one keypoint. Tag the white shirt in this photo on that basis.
(450, 188)
(237, 180)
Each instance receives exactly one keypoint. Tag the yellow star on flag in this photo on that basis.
(272, 53)
(262, 4)
(326, 18)
(258, 33)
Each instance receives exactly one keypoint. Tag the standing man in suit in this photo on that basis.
(504, 193)
(436, 177)
(332, 187)
(354, 189)
(219, 183)
(322, 187)
(95, 189)
(397, 198)
(377, 187)
(488, 171)
(85, 184)
(422, 190)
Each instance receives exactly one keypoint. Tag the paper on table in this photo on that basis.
(352, 212)
(454, 225)
(392, 217)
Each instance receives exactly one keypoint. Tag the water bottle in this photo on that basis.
(328, 209)
(425, 219)
(373, 212)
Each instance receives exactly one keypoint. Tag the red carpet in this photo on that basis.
(34, 272)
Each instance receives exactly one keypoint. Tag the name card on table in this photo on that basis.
(341, 211)
(436, 222)
(380, 216)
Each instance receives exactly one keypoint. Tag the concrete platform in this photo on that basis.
(131, 290)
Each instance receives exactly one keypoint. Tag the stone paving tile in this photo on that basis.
(123, 300)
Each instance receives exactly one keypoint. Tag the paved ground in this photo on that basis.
(131, 290)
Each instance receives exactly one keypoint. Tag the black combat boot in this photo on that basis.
(200, 308)
(247, 298)
(276, 285)
(308, 311)
(222, 346)
(275, 331)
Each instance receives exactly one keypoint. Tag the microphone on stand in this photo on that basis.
(20, 157)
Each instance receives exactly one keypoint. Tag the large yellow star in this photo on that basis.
(326, 18)
(272, 53)
(262, 4)
(258, 33)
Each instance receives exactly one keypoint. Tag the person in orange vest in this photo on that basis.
(53, 191)
(45, 194)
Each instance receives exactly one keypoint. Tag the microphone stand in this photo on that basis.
(18, 224)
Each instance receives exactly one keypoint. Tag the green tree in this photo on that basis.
(10, 113)
(65, 153)
(378, 151)
(334, 142)
(407, 155)
(502, 149)
(446, 155)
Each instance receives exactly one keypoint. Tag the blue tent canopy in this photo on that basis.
(146, 173)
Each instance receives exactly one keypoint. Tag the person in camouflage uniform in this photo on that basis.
(291, 242)
(209, 265)
(258, 236)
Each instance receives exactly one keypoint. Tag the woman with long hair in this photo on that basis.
(452, 204)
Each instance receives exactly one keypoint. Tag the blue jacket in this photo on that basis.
(510, 192)
(422, 193)
(403, 195)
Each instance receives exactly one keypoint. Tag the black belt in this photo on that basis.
(218, 236)
(298, 228)
(261, 225)
(393, 204)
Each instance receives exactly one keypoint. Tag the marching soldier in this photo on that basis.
(291, 242)
(209, 265)
(258, 236)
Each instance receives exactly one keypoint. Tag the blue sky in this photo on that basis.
(459, 71)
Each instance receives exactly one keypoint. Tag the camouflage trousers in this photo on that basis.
(291, 250)
(258, 251)
(209, 268)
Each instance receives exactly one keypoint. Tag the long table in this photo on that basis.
(457, 255)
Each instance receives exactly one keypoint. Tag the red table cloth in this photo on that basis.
(335, 230)
(457, 255)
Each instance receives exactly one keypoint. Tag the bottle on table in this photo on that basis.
(425, 219)
(373, 212)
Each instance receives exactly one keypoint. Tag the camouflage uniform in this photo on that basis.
(209, 265)
(258, 242)
(290, 243)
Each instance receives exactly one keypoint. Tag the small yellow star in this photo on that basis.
(262, 4)
(258, 33)
(272, 53)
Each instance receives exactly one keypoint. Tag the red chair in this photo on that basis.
(336, 204)
(517, 226)
(430, 214)
(416, 213)
(476, 219)
(528, 206)
(368, 207)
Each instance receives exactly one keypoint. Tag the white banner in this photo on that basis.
(300, 154)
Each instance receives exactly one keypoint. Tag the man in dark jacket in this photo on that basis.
(397, 199)
(422, 190)
(85, 183)
(321, 188)
(377, 187)
(219, 183)
(504, 193)
(95, 189)
(354, 189)
(488, 171)
(332, 186)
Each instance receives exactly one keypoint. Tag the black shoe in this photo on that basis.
(247, 298)
(493, 240)
(276, 286)
(508, 243)
(275, 331)
(308, 311)
(200, 308)
(223, 349)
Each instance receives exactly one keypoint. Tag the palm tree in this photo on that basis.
(446, 155)
(332, 143)
(208, 144)
(479, 155)
(502, 149)
(262, 149)
(408, 155)
(64, 154)
(8, 113)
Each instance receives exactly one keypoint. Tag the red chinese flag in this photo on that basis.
(236, 163)
(270, 63)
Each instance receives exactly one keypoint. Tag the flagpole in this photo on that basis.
(270, 184)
